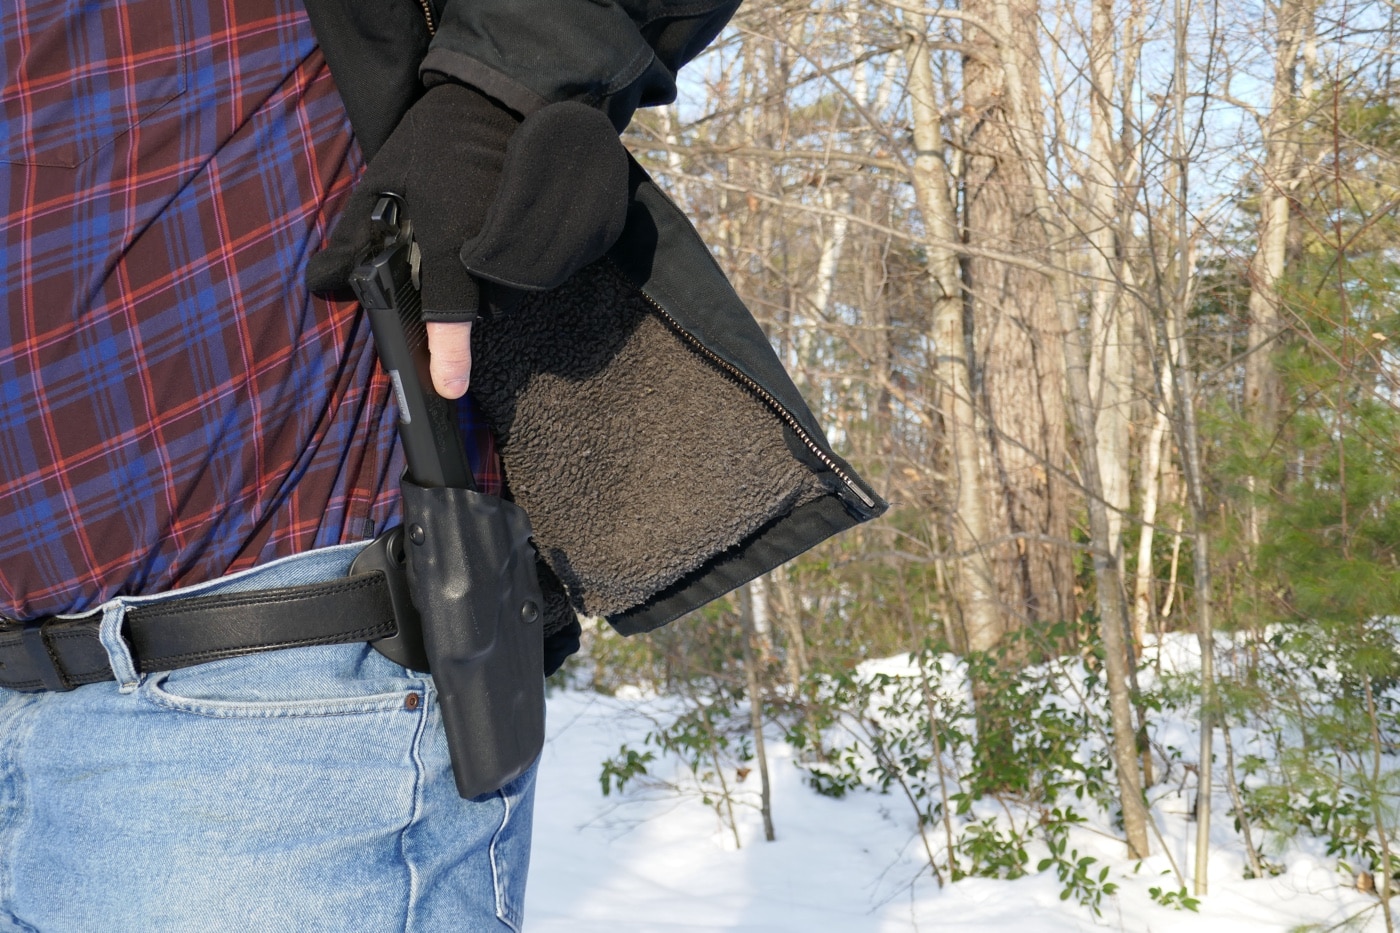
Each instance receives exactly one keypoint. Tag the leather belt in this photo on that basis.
(62, 653)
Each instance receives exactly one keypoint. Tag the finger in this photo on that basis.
(450, 357)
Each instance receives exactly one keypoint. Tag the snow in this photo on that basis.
(656, 857)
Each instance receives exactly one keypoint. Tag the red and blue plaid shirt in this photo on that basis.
(173, 405)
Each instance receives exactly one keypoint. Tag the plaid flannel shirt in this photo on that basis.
(173, 405)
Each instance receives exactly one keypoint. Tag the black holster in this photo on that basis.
(471, 573)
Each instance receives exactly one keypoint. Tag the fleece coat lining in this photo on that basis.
(637, 460)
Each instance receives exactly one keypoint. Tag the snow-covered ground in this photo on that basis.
(653, 859)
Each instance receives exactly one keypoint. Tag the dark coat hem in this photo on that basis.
(776, 544)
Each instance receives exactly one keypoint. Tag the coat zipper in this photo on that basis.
(428, 16)
(763, 394)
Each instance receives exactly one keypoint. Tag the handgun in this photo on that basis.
(388, 288)
(461, 570)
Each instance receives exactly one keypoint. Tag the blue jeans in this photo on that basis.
(299, 790)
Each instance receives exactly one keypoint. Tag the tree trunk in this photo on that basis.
(976, 579)
(1027, 148)
(1189, 443)
(1018, 371)
(790, 619)
(1110, 330)
(1278, 178)
(751, 665)
(1143, 604)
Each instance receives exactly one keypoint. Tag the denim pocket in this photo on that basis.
(80, 74)
(510, 848)
(336, 680)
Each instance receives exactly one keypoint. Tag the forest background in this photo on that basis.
(1102, 296)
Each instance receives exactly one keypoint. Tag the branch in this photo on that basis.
(975, 21)
(777, 155)
(1018, 260)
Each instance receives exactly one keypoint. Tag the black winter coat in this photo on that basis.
(644, 421)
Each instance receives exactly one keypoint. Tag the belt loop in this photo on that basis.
(118, 648)
(34, 635)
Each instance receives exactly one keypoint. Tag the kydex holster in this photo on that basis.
(462, 566)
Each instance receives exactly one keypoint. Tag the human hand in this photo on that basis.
(522, 205)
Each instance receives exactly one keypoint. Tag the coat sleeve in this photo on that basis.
(616, 55)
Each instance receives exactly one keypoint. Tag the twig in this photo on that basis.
(1256, 865)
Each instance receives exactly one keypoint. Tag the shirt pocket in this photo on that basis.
(80, 74)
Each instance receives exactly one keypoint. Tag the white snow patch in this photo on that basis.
(656, 858)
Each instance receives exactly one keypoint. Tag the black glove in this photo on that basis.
(521, 204)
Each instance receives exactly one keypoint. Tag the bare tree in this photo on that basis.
(977, 578)
(1278, 177)
(1017, 360)
(1028, 148)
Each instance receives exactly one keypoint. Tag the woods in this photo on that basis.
(1102, 295)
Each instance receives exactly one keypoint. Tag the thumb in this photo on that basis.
(450, 357)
